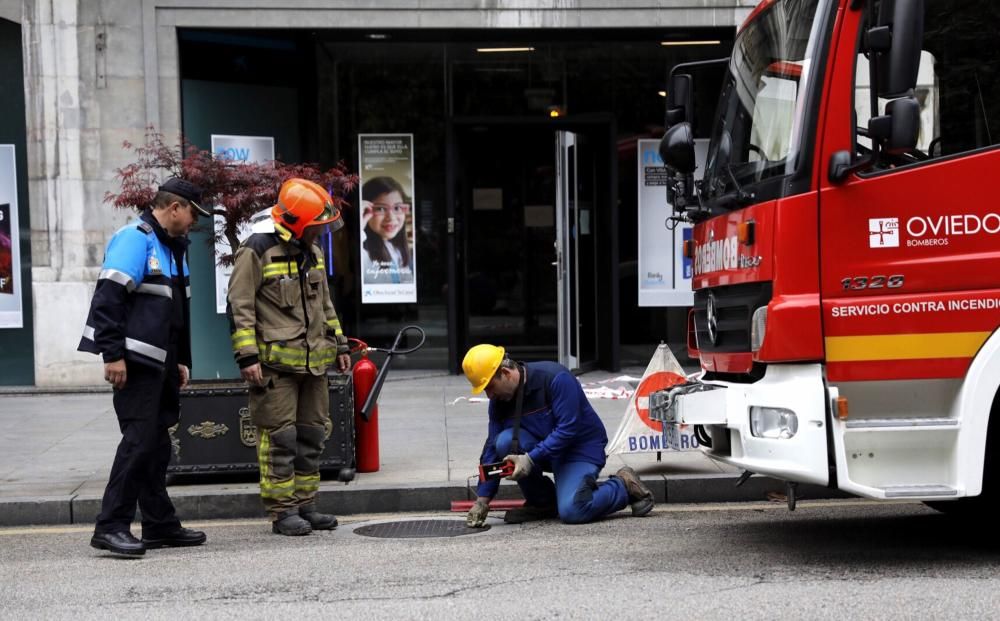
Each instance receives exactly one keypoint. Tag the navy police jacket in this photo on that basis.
(141, 304)
(555, 411)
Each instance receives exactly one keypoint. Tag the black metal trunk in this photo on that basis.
(215, 434)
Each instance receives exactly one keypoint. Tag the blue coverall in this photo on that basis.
(562, 434)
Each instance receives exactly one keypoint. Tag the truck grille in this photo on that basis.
(734, 306)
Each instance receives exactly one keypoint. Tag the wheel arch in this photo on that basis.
(978, 409)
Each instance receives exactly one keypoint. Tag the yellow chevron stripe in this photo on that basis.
(285, 269)
(904, 346)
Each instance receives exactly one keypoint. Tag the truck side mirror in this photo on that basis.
(897, 39)
(677, 148)
(680, 107)
(898, 128)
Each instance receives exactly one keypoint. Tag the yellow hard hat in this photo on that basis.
(479, 365)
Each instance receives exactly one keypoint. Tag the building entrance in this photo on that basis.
(528, 199)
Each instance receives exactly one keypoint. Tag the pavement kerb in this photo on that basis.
(215, 503)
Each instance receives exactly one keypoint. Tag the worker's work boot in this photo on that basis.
(318, 521)
(529, 513)
(290, 523)
(640, 497)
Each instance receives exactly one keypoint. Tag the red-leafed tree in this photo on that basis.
(234, 190)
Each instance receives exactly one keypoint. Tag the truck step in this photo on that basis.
(921, 491)
(902, 423)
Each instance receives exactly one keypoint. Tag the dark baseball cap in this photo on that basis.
(186, 190)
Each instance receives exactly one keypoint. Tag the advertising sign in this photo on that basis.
(238, 150)
(388, 244)
(664, 273)
(10, 248)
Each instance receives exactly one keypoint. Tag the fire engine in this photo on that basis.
(846, 250)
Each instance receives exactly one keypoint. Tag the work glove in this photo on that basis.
(477, 514)
(522, 466)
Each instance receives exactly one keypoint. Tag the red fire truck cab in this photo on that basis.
(846, 250)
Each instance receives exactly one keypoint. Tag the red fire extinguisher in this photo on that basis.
(365, 430)
(368, 380)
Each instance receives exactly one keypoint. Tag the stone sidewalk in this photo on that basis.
(58, 447)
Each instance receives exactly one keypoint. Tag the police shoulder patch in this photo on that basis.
(144, 226)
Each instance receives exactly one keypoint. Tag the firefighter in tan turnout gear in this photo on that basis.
(285, 332)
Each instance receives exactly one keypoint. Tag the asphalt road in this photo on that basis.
(828, 560)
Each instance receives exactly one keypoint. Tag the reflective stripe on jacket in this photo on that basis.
(133, 305)
(279, 309)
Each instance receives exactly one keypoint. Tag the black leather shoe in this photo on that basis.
(118, 543)
(180, 537)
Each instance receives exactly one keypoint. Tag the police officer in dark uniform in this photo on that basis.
(139, 322)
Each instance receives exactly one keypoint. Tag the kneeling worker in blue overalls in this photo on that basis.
(540, 408)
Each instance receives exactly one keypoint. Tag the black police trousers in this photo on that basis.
(147, 407)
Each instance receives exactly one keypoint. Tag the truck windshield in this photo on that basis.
(758, 125)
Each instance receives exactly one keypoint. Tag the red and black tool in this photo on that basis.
(495, 471)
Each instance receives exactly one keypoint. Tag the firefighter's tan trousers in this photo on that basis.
(292, 416)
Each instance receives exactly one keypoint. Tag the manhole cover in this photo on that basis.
(413, 529)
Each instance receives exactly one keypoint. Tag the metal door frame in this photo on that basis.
(567, 278)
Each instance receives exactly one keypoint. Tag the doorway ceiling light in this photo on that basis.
(377, 36)
(701, 42)
(488, 50)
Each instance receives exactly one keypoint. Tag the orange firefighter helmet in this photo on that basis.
(301, 204)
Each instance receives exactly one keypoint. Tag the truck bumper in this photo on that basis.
(776, 426)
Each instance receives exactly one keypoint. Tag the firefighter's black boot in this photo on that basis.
(290, 523)
(318, 521)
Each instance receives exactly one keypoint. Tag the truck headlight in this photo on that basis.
(758, 328)
(775, 423)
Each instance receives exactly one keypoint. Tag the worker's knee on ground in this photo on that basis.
(572, 517)
(575, 509)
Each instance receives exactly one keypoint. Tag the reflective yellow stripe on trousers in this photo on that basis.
(306, 482)
(281, 489)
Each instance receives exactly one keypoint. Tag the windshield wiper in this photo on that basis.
(738, 197)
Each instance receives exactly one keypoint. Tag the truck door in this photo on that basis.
(909, 248)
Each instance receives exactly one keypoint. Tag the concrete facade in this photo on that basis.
(98, 72)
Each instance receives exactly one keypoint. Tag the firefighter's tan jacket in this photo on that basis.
(278, 315)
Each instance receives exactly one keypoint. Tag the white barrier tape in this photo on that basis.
(605, 392)
(621, 379)
(470, 400)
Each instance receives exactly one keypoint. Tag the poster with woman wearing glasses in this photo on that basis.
(388, 246)
(10, 252)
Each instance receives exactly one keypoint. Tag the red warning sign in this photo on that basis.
(656, 381)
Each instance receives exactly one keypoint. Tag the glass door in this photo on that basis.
(505, 203)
